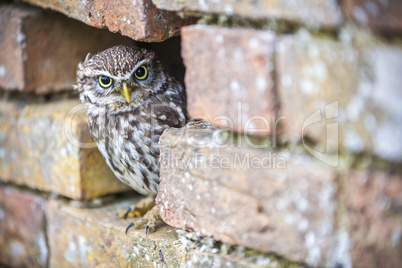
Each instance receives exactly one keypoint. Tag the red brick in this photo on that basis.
(360, 86)
(139, 20)
(385, 16)
(40, 147)
(22, 229)
(270, 201)
(229, 77)
(324, 12)
(39, 51)
(374, 203)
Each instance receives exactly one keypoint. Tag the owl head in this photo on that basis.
(119, 77)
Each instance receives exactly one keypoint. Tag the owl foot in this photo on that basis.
(150, 219)
(139, 209)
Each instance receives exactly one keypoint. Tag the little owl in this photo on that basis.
(130, 100)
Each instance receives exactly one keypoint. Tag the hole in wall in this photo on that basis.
(169, 53)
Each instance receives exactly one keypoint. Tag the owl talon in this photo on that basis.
(146, 230)
(139, 209)
(127, 212)
(149, 220)
(129, 226)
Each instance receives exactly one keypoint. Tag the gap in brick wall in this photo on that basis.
(169, 53)
(37, 98)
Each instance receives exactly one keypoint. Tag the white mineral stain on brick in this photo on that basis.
(71, 251)
(355, 108)
(261, 84)
(353, 141)
(320, 71)
(388, 141)
(253, 43)
(280, 204)
(345, 36)
(302, 225)
(203, 5)
(309, 239)
(360, 14)
(2, 70)
(228, 9)
(221, 52)
(41, 241)
(313, 51)
(370, 122)
(238, 55)
(286, 80)
(235, 87)
(302, 204)
(307, 86)
(314, 255)
(396, 237)
(17, 249)
(219, 38)
(20, 37)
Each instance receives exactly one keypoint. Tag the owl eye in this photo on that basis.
(141, 73)
(105, 81)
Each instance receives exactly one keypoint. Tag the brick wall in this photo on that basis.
(298, 162)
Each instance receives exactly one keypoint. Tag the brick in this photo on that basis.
(139, 20)
(270, 201)
(325, 13)
(374, 205)
(351, 90)
(92, 236)
(39, 51)
(379, 15)
(38, 148)
(229, 77)
(22, 228)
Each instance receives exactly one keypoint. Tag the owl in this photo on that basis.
(130, 100)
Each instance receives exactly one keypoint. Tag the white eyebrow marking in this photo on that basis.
(127, 76)
(118, 78)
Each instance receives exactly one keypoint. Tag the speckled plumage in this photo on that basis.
(127, 133)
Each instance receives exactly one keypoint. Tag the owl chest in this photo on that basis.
(126, 142)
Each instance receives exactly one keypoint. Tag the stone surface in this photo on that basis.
(374, 207)
(229, 77)
(47, 146)
(325, 12)
(39, 51)
(338, 95)
(274, 202)
(380, 15)
(22, 229)
(139, 20)
(93, 237)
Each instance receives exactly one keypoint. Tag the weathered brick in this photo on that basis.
(229, 77)
(271, 201)
(324, 86)
(40, 148)
(92, 236)
(374, 203)
(325, 12)
(39, 51)
(139, 20)
(380, 15)
(22, 229)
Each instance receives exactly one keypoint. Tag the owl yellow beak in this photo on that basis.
(126, 92)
